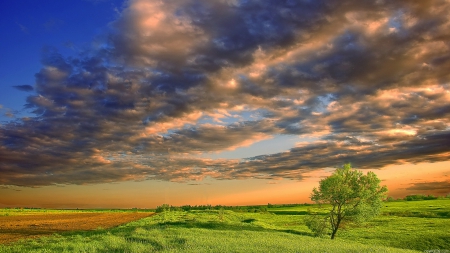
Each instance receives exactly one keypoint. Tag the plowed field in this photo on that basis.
(13, 228)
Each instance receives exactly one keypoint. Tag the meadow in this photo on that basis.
(404, 226)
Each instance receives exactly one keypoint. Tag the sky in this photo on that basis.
(121, 104)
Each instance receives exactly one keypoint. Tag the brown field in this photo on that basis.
(13, 228)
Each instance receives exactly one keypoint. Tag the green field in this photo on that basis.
(419, 225)
(408, 226)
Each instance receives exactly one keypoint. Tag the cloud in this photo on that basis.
(24, 87)
(9, 114)
(368, 82)
(439, 187)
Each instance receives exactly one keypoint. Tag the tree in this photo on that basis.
(163, 208)
(353, 196)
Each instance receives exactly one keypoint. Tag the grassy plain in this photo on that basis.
(413, 226)
(419, 225)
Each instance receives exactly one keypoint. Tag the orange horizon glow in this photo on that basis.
(150, 194)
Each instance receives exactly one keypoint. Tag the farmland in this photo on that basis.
(19, 224)
(407, 226)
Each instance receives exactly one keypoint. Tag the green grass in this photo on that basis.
(419, 225)
(439, 208)
(200, 231)
(403, 227)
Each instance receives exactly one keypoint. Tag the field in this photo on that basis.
(19, 224)
(419, 225)
(412, 226)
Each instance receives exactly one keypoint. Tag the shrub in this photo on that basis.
(163, 208)
(220, 213)
(318, 224)
(390, 199)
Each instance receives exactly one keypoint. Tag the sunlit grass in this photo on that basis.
(419, 225)
(283, 230)
(195, 232)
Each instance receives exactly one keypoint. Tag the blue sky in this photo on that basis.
(222, 93)
(29, 27)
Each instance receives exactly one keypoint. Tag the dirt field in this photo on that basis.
(13, 228)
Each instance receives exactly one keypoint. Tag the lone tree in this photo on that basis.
(352, 195)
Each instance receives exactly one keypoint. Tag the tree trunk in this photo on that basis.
(333, 233)
(335, 229)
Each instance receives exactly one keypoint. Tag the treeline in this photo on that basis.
(264, 208)
(253, 209)
(250, 209)
(286, 205)
(417, 197)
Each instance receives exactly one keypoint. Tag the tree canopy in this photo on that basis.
(352, 195)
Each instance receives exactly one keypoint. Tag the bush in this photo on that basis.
(163, 208)
(220, 213)
(318, 224)
(186, 208)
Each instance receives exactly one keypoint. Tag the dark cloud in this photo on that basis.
(362, 154)
(367, 81)
(438, 187)
(24, 87)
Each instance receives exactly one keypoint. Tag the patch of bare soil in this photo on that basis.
(13, 228)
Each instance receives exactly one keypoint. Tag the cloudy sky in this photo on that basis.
(142, 102)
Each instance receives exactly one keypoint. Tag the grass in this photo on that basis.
(419, 225)
(402, 227)
(200, 231)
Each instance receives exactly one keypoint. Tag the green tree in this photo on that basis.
(163, 208)
(353, 196)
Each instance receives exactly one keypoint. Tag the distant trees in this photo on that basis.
(419, 197)
(416, 197)
(351, 195)
(251, 209)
